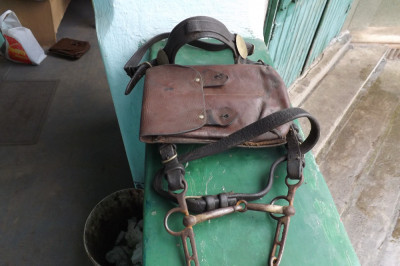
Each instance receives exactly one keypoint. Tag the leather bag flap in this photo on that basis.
(173, 101)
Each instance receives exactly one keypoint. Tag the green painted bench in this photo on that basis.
(316, 234)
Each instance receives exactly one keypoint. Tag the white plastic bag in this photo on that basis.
(21, 45)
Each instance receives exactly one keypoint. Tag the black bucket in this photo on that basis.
(107, 219)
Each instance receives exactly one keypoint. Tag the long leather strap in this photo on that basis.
(189, 31)
(195, 28)
(174, 170)
(133, 63)
(255, 129)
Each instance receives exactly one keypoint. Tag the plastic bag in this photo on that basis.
(20, 44)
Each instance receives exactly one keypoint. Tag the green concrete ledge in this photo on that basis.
(316, 234)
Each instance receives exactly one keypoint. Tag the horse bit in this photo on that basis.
(281, 214)
(187, 234)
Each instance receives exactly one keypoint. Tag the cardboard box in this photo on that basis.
(41, 17)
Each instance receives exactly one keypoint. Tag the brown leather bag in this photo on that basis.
(201, 104)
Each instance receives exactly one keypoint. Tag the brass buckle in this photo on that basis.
(169, 159)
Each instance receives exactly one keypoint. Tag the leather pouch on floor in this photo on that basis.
(69, 48)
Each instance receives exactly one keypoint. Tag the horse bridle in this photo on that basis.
(214, 206)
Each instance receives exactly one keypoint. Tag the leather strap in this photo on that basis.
(189, 32)
(294, 157)
(211, 202)
(173, 170)
(255, 129)
(133, 63)
(195, 28)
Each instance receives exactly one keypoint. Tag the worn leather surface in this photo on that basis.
(199, 104)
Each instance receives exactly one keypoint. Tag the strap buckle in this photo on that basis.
(169, 159)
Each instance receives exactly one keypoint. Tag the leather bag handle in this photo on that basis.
(189, 32)
(195, 28)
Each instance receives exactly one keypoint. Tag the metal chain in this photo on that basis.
(187, 234)
(283, 221)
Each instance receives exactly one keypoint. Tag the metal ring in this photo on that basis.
(297, 184)
(274, 216)
(174, 210)
(147, 63)
(170, 159)
(239, 203)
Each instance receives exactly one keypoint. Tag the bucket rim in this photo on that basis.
(90, 215)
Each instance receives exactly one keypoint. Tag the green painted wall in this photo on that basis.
(292, 33)
(332, 20)
(297, 31)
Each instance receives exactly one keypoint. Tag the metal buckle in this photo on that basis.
(169, 159)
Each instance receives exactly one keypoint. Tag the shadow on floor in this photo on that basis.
(48, 189)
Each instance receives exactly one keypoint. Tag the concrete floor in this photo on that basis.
(360, 122)
(362, 170)
(48, 189)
